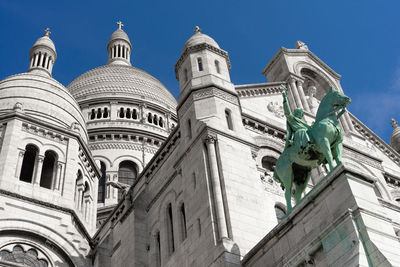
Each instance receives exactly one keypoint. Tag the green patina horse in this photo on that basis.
(324, 137)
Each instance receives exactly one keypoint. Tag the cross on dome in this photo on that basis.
(120, 25)
(197, 29)
(47, 32)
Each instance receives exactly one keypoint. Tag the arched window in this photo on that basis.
(78, 181)
(105, 114)
(127, 174)
(228, 118)
(28, 163)
(268, 163)
(48, 169)
(160, 122)
(185, 73)
(189, 129)
(200, 64)
(217, 66)
(149, 118)
(170, 228)
(85, 205)
(128, 113)
(280, 213)
(102, 184)
(93, 114)
(99, 113)
(121, 112)
(155, 119)
(22, 257)
(134, 114)
(182, 215)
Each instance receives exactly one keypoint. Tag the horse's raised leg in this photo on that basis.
(325, 147)
(288, 197)
(337, 153)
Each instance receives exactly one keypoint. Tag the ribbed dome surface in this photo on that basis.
(200, 38)
(121, 81)
(44, 98)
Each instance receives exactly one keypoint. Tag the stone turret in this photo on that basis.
(119, 47)
(395, 138)
(43, 55)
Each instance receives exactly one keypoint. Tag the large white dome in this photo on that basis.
(43, 98)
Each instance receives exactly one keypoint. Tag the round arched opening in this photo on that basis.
(127, 173)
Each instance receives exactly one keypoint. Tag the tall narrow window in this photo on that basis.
(102, 183)
(134, 114)
(189, 129)
(121, 112)
(185, 73)
(183, 222)
(79, 178)
(85, 205)
(28, 163)
(217, 66)
(150, 118)
(200, 64)
(158, 247)
(99, 113)
(105, 114)
(160, 122)
(93, 114)
(48, 169)
(228, 119)
(127, 174)
(170, 226)
(155, 119)
(128, 113)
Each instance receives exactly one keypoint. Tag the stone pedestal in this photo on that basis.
(339, 223)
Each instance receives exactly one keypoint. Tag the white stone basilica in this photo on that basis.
(113, 171)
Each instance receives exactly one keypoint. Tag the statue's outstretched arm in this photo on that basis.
(286, 107)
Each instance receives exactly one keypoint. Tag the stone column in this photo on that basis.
(343, 122)
(38, 170)
(142, 111)
(349, 122)
(51, 64)
(19, 163)
(36, 60)
(113, 110)
(41, 59)
(295, 93)
(167, 119)
(215, 179)
(302, 96)
(57, 181)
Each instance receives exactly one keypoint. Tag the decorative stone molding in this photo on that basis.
(263, 128)
(259, 89)
(358, 157)
(125, 146)
(42, 132)
(210, 139)
(374, 139)
(215, 92)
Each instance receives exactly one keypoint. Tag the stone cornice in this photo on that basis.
(199, 47)
(375, 140)
(79, 224)
(260, 89)
(301, 52)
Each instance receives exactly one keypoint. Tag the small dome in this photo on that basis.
(395, 138)
(43, 98)
(119, 34)
(199, 38)
(44, 42)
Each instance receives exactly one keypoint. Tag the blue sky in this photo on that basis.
(358, 39)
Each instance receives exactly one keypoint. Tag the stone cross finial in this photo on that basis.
(197, 29)
(47, 32)
(394, 123)
(120, 25)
